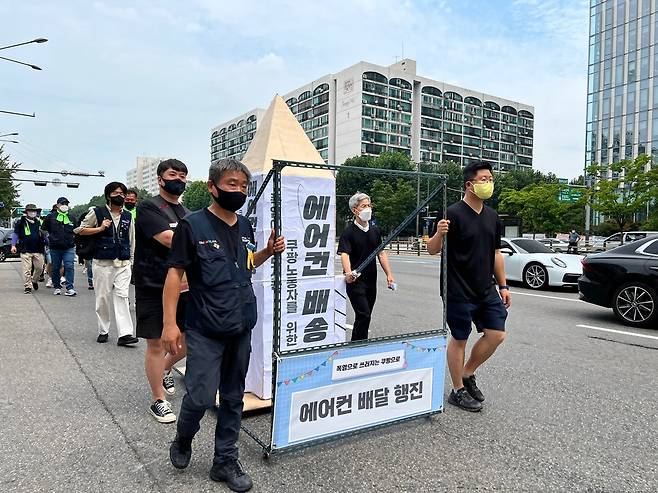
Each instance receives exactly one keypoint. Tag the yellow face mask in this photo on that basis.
(484, 191)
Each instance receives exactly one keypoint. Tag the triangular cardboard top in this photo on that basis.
(280, 136)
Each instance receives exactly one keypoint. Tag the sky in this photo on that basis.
(142, 78)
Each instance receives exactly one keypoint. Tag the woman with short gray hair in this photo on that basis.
(356, 244)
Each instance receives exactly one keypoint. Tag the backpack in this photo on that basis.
(85, 245)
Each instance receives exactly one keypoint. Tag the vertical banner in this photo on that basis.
(313, 302)
(330, 392)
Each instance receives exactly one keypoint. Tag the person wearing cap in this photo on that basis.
(29, 240)
(112, 250)
(60, 225)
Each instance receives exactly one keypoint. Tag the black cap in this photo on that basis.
(62, 200)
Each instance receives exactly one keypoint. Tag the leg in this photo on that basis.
(90, 273)
(483, 349)
(69, 267)
(154, 365)
(120, 300)
(37, 261)
(26, 265)
(490, 319)
(358, 298)
(231, 391)
(204, 361)
(104, 274)
(57, 257)
(171, 360)
(456, 353)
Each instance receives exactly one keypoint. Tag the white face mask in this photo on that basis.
(63, 208)
(31, 214)
(365, 214)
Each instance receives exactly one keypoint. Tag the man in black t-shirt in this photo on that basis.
(215, 248)
(474, 234)
(154, 229)
(356, 243)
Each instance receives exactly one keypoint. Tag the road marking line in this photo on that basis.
(645, 336)
(546, 296)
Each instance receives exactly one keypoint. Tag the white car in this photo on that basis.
(537, 266)
(554, 244)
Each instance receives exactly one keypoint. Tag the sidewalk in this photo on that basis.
(57, 428)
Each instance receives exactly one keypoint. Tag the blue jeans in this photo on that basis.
(67, 257)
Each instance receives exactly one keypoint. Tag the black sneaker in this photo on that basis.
(102, 338)
(233, 474)
(90, 287)
(35, 286)
(127, 340)
(180, 452)
(462, 399)
(28, 291)
(472, 388)
(168, 383)
(161, 411)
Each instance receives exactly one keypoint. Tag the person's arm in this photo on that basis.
(435, 244)
(14, 241)
(171, 334)
(89, 225)
(274, 245)
(164, 238)
(501, 279)
(383, 260)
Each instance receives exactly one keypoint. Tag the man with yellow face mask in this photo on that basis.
(475, 266)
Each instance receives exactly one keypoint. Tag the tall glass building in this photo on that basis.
(369, 109)
(622, 91)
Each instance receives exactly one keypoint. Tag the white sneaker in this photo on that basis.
(57, 292)
(49, 283)
(62, 280)
(161, 411)
(70, 292)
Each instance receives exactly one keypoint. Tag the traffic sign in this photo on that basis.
(570, 195)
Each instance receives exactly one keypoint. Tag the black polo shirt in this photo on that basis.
(472, 243)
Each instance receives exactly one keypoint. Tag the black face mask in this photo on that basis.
(117, 200)
(174, 187)
(129, 205)
(230, 201)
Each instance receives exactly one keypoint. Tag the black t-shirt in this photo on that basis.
(183, 250)
(151, 255)
(358, 244)
(472, 243)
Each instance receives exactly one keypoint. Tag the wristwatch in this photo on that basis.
(503, 286)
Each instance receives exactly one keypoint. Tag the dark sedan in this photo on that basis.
(626, 280)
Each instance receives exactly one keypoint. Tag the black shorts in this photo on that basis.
(487, 314)
(149, 313)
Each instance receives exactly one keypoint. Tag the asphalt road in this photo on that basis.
(569, 408)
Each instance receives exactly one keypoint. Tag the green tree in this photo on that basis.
(8, 190)
(539, 208)
(393, 202)
(196, 195)
(621, 195)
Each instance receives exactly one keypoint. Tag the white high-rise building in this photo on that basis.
(369, 109)
(144, 174)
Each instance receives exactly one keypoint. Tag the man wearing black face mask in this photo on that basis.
(112, 251)
(131, 202)
(215, 248)
(156, 221)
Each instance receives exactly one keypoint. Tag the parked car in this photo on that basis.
(559, 246)
(537, 266)
(626, 280)
(618, 239)
(5, 244)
